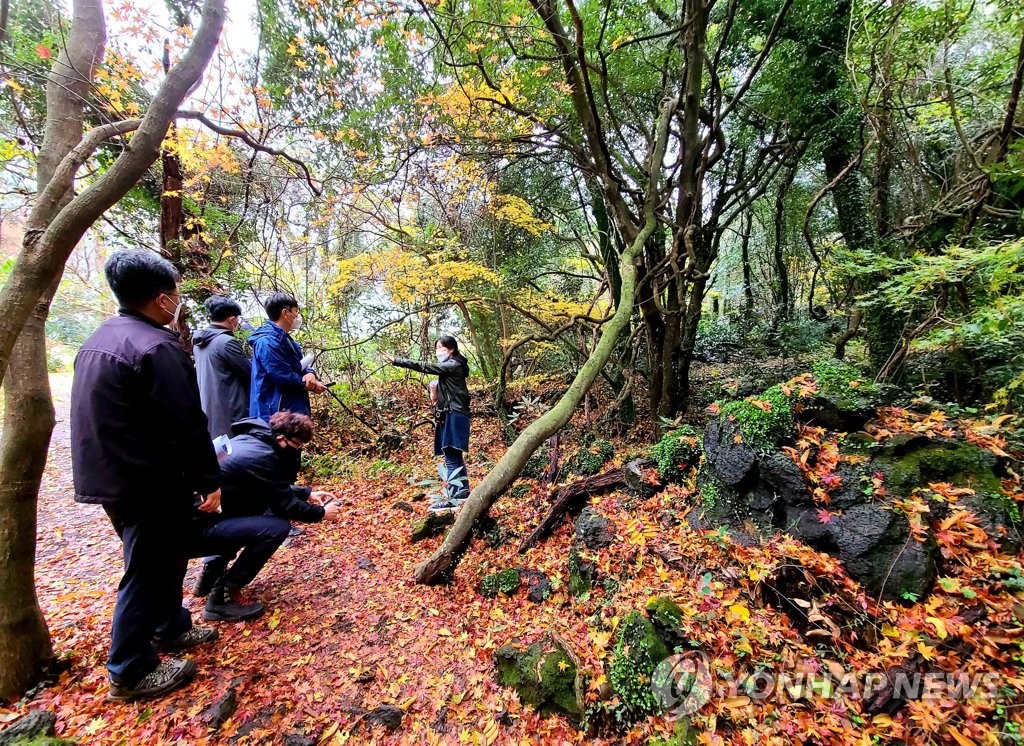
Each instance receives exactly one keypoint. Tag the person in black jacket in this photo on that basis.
(451, 421)
(140, 448)
(258, 499)
(223, 370)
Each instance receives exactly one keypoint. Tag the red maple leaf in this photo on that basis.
(43, 51)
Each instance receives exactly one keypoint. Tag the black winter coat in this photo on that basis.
(258, 476)
(138, 431)
(224, 374)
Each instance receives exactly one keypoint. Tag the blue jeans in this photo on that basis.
(153, 536)
(220, 539)
(454, 461)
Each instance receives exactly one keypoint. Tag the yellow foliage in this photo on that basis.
(517, 211)
(410, 278)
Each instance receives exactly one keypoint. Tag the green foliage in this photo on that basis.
(590, 458)
(843, 384)
(678, 449)
(506, 582)
(764, 420)
(638, 651)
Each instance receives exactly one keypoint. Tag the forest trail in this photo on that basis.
(346, 631)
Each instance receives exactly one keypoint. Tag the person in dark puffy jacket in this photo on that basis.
(223, 370)
(140, 449)
(451, 423)
(280, 381)
(258, 498)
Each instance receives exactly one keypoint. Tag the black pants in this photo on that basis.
(154, 536)
(220, 539)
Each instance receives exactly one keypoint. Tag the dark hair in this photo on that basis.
(137, 276)
(450, 343)
(278, 303)
(221, 308)
(292, 425)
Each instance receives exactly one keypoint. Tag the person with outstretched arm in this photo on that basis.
(140, 448)
(451, 422)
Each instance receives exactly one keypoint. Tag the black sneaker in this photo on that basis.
(224, 605)
(169, 675)
(191, 638)
(296, 531)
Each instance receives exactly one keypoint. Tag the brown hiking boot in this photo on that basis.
(169, 675)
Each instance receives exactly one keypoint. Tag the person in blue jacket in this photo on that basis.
(280, 381)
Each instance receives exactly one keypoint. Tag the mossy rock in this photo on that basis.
(638, 651)
(667, 618)
(545, 677)
(764, 419)
(35, 728)
(581, 574)
(845, 399)
(506, 582)
(590, 458)
(432, 525)
(961, 463)
(676, 452)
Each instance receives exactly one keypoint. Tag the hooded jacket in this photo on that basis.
(258, 475)
(277, 373)
(138, 432)
(224, 374)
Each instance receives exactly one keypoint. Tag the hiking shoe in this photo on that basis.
(191, 638)
(211, 573)
(296, 531)
(225, 605)
(461, 496)
(443, 506)
(169, 675)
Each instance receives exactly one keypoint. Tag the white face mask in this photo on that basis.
(442, 356)
(298, 323)
(175, 314)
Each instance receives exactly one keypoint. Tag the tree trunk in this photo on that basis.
(57, 222)
(25, 647)
(748, 284)
(444, 559)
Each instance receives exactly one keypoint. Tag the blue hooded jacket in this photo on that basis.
(277, 373)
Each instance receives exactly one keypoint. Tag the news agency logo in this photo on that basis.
(683, 683)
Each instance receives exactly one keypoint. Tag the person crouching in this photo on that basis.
(257, 485)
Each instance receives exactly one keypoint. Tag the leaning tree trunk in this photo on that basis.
(28, 416)
(25, 647)
(56, 223)
(515, 458)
